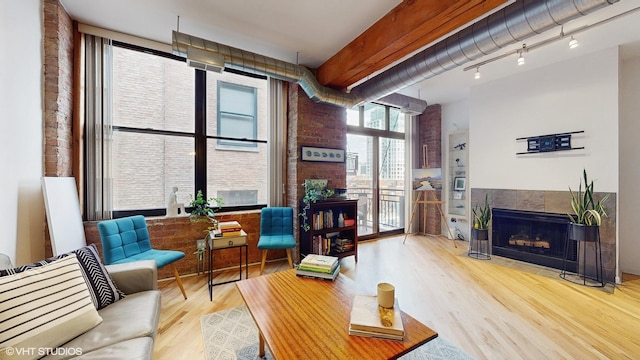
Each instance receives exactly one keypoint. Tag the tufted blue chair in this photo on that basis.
(276, 232)
(127, 239)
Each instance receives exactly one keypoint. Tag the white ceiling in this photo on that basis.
(309, 32)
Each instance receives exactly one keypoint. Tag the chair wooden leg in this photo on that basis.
(264, 258)
(178, 280)
(289, 257)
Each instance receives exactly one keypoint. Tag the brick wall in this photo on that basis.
(313, 124)
(429, 130)
(57, 46)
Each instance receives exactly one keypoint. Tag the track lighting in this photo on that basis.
(477, 74)
(521, 60)
(573, 43)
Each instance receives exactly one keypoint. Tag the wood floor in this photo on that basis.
(489, 310)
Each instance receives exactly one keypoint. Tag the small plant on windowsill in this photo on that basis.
(203, 211)
(314, 190)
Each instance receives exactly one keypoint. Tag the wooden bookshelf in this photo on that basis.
(325, 236)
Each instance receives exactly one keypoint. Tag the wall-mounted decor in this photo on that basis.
(459, 184)
(549, 143)
(308, 153)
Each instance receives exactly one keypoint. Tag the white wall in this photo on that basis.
(455, 117)
(629, 198)
(580, 94)
(21, 160)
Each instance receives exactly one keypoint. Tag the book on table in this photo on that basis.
(365, 319)
(318, 275)
(320, 261)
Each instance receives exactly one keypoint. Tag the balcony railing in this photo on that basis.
(391, 212)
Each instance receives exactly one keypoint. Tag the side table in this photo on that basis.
(241, 242)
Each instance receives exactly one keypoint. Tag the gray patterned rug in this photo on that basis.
(232, 334)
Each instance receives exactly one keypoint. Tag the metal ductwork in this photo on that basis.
(514, 23)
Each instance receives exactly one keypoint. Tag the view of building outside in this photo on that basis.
(153, 92)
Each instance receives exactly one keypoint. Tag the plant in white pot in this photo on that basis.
(587, 212)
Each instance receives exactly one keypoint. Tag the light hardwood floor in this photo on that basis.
(490, 311)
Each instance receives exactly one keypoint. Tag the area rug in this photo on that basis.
(232, 334)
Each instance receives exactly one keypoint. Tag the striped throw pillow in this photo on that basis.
(44, 307)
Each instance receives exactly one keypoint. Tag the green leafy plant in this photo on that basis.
(482, 214)
(587, 211)
(202, 211)
(312, 193)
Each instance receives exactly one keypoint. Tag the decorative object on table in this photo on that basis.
(174, 208)
(584, 227)
(366, 320)
(203, 211)
(549, 143)
(320, 154)
(314, 190)
(480, 231)
(232, 334)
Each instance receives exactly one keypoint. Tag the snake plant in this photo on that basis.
(586, 210)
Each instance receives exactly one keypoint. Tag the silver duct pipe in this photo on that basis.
(514, 23)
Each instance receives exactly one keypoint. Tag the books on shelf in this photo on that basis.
(319, 275)
(365, 319)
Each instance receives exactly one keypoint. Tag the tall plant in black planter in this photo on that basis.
(587, 213)
(480, 230)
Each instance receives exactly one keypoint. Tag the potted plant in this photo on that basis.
(202, 211)
(481, 218)
(314, 190)
(587, 213)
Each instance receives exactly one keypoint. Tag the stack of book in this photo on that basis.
(229, 228)
(319, 267)
(342, 245)
(365, 319)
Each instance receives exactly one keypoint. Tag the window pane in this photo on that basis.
(146, 167)
(353, 116)
(396, 120)
(237, 99)
(235, 175)
(151, 91)
(374, 116)
(391, 178)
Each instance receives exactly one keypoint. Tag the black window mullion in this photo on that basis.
(200, 132)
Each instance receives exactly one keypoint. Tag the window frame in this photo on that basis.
(224, 142)
(199, 135)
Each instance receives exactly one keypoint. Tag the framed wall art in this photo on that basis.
(309, 153)
(459, 184)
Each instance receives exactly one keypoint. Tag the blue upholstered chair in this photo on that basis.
(276, 232)
(127, 239)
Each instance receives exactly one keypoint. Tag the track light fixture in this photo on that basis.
(573, 43)
(521, 60)
(477, 74)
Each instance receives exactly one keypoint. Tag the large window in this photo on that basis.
(175, 126)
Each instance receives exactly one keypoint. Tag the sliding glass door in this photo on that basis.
(376, 168)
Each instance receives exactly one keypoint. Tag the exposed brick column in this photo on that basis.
(429, 130)
(58, 90)
(313, 124)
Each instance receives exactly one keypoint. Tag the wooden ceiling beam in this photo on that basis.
(405, 29)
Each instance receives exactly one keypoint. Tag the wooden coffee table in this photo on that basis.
(303, 318)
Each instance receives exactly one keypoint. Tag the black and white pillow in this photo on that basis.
(102, 288)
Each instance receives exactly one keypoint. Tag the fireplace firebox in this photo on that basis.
(533, 237)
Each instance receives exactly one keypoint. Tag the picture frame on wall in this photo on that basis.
(459, 183)
(320, 154)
